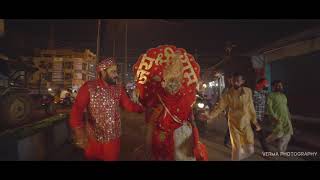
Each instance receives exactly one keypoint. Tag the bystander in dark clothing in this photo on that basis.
(259, 99)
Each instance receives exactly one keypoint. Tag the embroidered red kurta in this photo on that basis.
(104, 126)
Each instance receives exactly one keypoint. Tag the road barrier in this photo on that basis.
(35, 141)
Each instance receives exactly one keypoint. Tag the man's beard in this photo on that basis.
(236, 87)
(111, 81)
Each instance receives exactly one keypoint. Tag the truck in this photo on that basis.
(15, 102)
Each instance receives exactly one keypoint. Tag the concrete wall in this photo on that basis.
(36, 147)
(32, 148)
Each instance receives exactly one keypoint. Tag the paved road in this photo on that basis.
(132, 145)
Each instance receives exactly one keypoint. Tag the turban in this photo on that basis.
(106, 63)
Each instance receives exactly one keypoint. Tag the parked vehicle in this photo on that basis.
(199, 108)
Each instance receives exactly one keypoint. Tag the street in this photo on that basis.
(275, 60)
(133, 139)
(132, 145)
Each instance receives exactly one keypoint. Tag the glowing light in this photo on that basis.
(200, 105)
(213, 84)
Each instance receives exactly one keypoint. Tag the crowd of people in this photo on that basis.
(244, 109)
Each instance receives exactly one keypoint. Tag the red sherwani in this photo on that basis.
(103, 127)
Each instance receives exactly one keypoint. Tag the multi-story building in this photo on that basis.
(61, 69)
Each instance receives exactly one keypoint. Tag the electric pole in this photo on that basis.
(98, 41)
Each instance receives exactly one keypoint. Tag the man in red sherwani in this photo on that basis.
(100, 135)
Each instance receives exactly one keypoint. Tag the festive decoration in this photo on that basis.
(167, 76)
(150, 68)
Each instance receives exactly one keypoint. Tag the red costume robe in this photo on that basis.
(163, 135)
(103, 127)
(170, 133)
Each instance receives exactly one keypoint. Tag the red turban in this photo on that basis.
(261, 84)
(106, 63)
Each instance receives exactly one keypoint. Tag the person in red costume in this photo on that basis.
(99, 136)
(168, 93)
(172, 135)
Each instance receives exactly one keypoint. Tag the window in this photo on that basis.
(77, 75)
(68, 65)
(84, 66)
(42, 65)
(48, 76)
(91, 68)
(67, 76)
(91, 78)
(84, 77)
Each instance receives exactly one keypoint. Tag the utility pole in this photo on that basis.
(98, 41)
(126, 52)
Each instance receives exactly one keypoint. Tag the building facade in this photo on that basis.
(62, 69)
(295, 61)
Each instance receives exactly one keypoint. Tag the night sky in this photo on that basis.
(208, 37)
